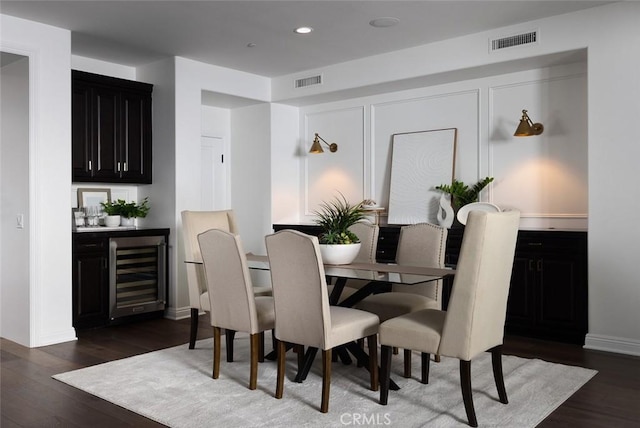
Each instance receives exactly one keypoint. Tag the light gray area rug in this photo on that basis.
(174, 387)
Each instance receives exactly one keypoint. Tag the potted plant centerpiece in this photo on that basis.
(338, 245)
(124, 212)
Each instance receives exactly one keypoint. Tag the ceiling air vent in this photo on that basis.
(515, 40)
(308, 81)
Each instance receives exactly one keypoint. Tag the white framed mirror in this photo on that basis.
(420, 161)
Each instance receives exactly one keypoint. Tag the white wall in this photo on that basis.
(285, 167)
(251, 175)
(48, 220)
(162, 193)
(614, 91)
(14, 182)
(191, 79)
(545, 177)
(91, 65)
(610, 34)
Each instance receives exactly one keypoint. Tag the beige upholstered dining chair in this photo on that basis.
(424, 245)
(194, 223)
(474, 320)
(231, 298)
(303, 313)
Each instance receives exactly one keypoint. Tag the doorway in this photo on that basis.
(14, 199)
(214, 174)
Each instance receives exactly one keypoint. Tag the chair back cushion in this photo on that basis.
(299, 288)
(228, 281)
(194, 223)
(368, 235)
(424, 245)
(477, 309)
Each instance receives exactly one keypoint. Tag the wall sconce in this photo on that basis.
(316, 147)
(527, 128)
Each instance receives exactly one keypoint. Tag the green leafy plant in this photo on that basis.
(127, 209)
(335, 218)
(462, 194)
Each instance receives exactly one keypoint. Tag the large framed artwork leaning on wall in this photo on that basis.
(420, 161)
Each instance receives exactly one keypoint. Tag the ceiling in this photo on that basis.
(134, 33)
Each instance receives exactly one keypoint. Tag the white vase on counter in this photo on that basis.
(112, 221)
(128, 221)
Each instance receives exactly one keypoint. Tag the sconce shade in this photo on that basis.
(316, 147)
(527, 128)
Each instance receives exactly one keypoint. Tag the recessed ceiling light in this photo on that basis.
(383, 22)
(303, 30)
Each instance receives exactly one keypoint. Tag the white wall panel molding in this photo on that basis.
(545, 176)
(450, 108)
(326, 174)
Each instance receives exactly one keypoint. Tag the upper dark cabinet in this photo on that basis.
(111, 129)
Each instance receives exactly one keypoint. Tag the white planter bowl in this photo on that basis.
(339, 254)
(112, 221)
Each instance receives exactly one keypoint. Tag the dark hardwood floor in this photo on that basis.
(31, 398)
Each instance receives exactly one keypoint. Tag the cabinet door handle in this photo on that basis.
(530, 264)
(90, 166)
(540, 265)
(535, 244)
(125, 167)
(118, 166)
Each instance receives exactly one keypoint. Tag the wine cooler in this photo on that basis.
(137, 275)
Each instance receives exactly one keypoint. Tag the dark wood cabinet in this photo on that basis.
(91, 298)
(548, 295)
(111, 129)
(90, 281)
(548, 292)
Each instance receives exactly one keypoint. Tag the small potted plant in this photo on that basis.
(125, 212)
(462, 194)
(338, 245)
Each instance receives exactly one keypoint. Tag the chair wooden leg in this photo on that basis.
(395, 350)
(465, 383)
(407, 363)
(496, 361)
(281, 350)
(372, 343)
(255, 350)
(360, 344)
(216, 352)
(194, 328)
(426, 359)
(385, 373)
(436, 358)
(229, 335)
(261, 347)
(326, 380)
(299, 349)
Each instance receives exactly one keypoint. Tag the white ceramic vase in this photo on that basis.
(339, 254)
(112, 221)
(128, 221)
(445, 211)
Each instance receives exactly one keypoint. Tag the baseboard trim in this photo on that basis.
(177, 313)
(618, 345)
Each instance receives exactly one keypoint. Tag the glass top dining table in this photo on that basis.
(383, 272)
(379, 277)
